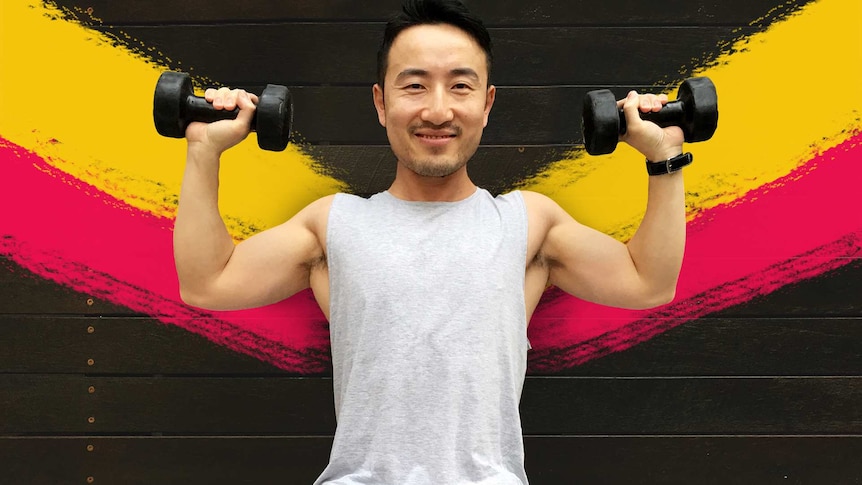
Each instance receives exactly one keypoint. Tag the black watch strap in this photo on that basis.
(670, 165)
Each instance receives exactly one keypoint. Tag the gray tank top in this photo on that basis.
(429, 340)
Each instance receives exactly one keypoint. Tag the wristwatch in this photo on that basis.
(670, 165)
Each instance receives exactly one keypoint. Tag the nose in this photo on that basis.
(438, 110)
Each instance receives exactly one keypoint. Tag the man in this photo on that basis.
(428, 286)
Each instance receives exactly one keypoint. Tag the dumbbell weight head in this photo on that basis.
(172, 91)
(600, 122)
(175, 106)
(700, 102)
(274, 117)
(695, 111)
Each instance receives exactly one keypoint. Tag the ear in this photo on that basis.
(377, 93)
(489, 102)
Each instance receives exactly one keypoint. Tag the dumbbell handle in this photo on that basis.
(198, 108)
(671, 114)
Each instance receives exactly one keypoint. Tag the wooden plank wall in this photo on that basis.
(766, 391)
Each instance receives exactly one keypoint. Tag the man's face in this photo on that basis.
(436, 99)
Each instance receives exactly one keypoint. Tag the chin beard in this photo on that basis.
(430, 168)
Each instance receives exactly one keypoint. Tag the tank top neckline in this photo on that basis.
(421, 203)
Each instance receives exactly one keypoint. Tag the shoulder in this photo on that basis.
(315, 215)
(541, 208)
(535, 198)
(548, 220)
(319, 208)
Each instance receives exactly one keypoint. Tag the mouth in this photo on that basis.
(435, 139)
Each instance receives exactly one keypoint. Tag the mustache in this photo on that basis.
(449, 126)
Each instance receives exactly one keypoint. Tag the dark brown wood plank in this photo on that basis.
(703, 347)
(767, 405)
(45, 460)
(505, 12)
(716, 460)
(115, 345)
(549, 460)
(49, 404)
(46, 404)
(164, 460)
(740, 347)
(345, 54)
(24, 292)
(832, 294)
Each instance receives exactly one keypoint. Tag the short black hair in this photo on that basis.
(432, 12)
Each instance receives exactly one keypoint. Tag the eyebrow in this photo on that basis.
(460, 71)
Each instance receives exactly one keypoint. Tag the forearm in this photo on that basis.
(658, 245)
(202, 244)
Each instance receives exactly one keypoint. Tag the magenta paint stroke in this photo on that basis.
(797, 227)
(62, 229)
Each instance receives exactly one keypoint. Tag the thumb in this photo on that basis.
(247, 105)
(630, 110)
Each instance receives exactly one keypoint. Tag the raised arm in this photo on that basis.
(213, 272)
(642, 273)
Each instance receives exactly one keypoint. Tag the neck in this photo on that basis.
(408, 185)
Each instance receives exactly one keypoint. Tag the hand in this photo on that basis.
(221, 135)
(655, 143)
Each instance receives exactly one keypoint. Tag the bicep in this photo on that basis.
(271, 265)
(590, 264)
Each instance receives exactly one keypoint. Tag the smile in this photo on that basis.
(435, 140)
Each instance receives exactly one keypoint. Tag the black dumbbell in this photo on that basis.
(695, 111)
(175, 106)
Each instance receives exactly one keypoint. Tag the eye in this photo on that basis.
(414, 86)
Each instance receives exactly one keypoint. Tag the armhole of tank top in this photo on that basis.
(331, 257)
(525, 234)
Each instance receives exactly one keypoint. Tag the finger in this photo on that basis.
(220, 98)
(621, 102)
(229, 101)
(658, 101)
(630, 106)
(246, 106)
(245, 100)
(649, 102)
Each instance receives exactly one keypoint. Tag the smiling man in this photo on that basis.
(434, 104)
(428, 286)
